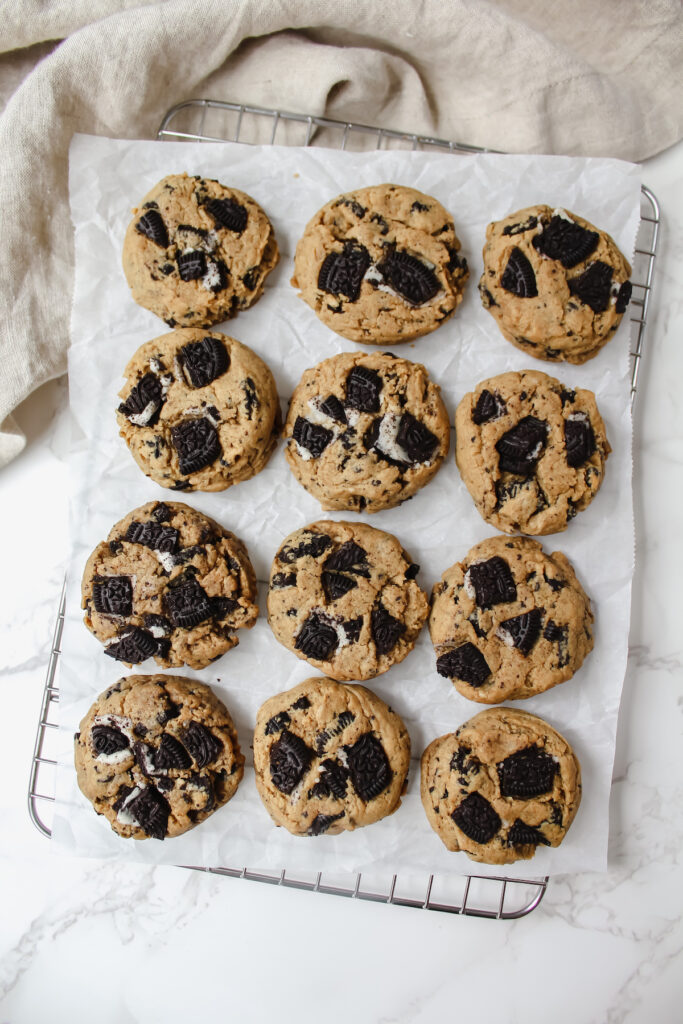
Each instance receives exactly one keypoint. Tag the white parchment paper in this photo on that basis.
(437, 527)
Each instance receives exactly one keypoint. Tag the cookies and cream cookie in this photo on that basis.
(509, 621)
(365, 431)
(343, 596)
(197, 252)
(556, 285)
(170, 584)
(500, 786)
(329, 757)
(530, 450)
(199, 411)
(156, 755)
(381, 265)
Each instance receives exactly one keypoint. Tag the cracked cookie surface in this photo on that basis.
(343, 597)
(329, 757)
(365, 431)
(199, 410)
(170, 584)
(509, 621)
(530, 450)
(499, 787)
(556, 285)
(197, 252)
(381, 265)
(156, 755)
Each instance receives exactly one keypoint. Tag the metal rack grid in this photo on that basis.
(495, 897)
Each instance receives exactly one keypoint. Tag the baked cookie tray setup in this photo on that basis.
(398, 860)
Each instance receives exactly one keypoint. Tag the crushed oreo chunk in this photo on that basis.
(335, 585)
(106, 740)
(311, 436)
(386, 630)
(476, 818)
(333, 780)
(528, 773)
(277, 723)
(133, 646)
(492, 581)
(518, 276)
(594, 286)
(623, 297)
(228, 213)
(465, 662)
(322, 822)
(408, 276)
(186, 603)
(154, 536)
(191, 265)
(152, 226)
(579, 440)
(369, 766)
(201, 743)
(315, 546)
(488, 407)
(363, 387)
(523, 630)
(416, 439)
(522, 834)
(317, 639)
(333, 408)
(566, 241)
(144, 402)
(203, 361)
(171, 754)
(341, 273)
(113, 595)
(197, 444)
(520, 448)
(289, 761)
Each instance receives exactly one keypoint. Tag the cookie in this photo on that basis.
(329, 758)
(157, 755)
(531, 451)
(343, 597)
(170, 584)
(197, 252)
(381, 265)
(365, 432)
(199, 411)
(509, 621)
(500, 786)
(556, 285)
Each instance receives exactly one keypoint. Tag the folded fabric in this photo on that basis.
(519, 75)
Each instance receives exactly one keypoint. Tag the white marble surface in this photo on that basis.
(125, 943)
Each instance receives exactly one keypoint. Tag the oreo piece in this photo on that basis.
(465, 662)
(335, 585)
(301, 704)
(113, 595)
(151, 812)
(349, 557)
(341, 273)
(161, 512)
(203, 361)
(488, 407)
(277, 723)
(144, 402)
(171, 754)
(152, 226)
(528, 773)
(108, 740)
(283, 579)
(492, 581)
(386, 630)
(352, 628)
(566, 241)
(522, 834)
(333, 780)
(363, 387)
(311, 436)
(154, 536)
(408, 276)
(369, 766)
(518, 276)
(322, 822)
(201, 743)
(191, 265)
(135, 645)
(579, 441)
(290, 759)
(523, 630)
(476, 818)
(333, 408)
(594, 286)
(317, 638)
(229, 214)
(197, 444)
(187, 603)
(521, 226)
(318, 543)
(340, 723)
(520, 448)
(416, 439)
(623, 297)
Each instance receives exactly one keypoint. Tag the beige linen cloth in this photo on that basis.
(581, 78)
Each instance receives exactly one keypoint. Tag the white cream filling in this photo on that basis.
(155, 366)
(212, 277)
(352, 417)
(202, 412)
(506, 637)
(303, 452)
(141, 419)
(167, 560)
(582, 417)
(123, 725)
(374, 277)
(559, 212)
(124, 816)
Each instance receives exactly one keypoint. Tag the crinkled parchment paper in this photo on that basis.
(437, 527)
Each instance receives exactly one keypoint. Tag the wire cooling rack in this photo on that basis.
(494, 897)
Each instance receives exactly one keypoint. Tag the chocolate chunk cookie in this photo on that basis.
(170, 584)
(365, 432)
(531, 451)
(509, 621)
(197, 252)
(156, 755)
(556, 286)
(343, 596)
(199, 411)
(329, 757)
(381, 265)
(500, 786)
